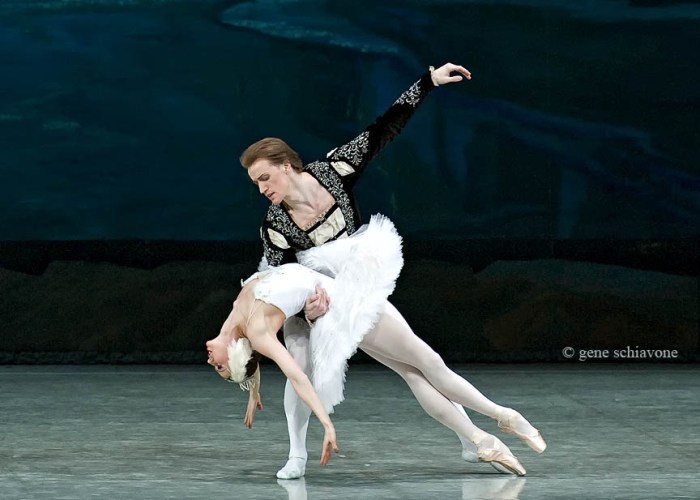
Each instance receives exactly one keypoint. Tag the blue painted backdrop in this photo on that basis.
(125, 119)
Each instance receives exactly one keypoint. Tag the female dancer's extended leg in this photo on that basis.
(393, 339)
(451, 415)
(430, 399)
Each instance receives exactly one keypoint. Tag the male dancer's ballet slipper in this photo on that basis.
(491, 449)
(513, 422)
(295, 468)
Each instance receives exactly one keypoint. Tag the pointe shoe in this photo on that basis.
(492, 450)
(469, 455)
(510, 421)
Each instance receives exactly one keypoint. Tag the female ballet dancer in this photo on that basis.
(314, 204)
(365, 268)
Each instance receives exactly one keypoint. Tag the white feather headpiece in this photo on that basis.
(239, 353)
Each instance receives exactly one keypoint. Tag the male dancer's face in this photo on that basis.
(272, 181)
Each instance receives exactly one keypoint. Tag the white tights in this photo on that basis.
(393, 339)
(296, 339)
(393, 343)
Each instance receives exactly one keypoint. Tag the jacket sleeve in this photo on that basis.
(276, 249)
(350, 159)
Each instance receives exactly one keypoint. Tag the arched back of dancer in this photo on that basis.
(253, 324)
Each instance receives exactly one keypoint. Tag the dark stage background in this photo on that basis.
(551, 202)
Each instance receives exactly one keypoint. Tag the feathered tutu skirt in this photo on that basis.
(365, 267)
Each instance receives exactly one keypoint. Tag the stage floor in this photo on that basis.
(76, 432)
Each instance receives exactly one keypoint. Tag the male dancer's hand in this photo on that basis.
(328, 445)
(316, 304)
(443, 74)
(254, 403)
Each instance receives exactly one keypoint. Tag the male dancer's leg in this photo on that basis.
(296, 339)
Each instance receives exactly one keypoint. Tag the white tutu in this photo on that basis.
(365, 267)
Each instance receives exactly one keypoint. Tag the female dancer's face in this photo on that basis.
(272, 180)
(217, 355)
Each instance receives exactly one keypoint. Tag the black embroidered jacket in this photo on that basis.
(282, 237)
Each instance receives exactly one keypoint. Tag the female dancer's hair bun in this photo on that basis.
(242, 363)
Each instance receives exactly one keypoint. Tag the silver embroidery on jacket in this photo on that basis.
(354, 151)
(412, 96)
(279, 221)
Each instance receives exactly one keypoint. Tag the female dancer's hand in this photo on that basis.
(443, 74)
(328, 445)
(254, 403)
(316, 304)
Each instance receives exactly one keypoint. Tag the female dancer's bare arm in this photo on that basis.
(254, 402)
(267, 344)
